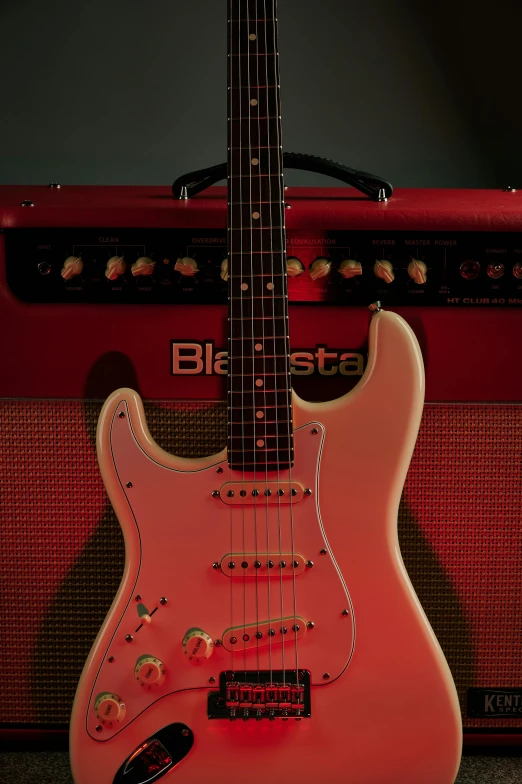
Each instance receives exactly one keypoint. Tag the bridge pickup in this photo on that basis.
(258, 635)
(274, 565)
(263, 694)
(261, 493)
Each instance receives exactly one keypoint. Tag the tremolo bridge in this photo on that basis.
(263, 694)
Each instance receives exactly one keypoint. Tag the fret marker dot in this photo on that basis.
(253, 102)
(252, 36)
(255, 215)
(259, 414)
(244, 286)
(270, 286)
(259, 383)
(255, 161)
(258, 347)
(260, 442)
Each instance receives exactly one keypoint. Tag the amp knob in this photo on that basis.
(517, 270)
(186, 266)
(224, 270)
(417, 271)
(470, 270)
(197, 644)
(293, 267)
(320, 268)
(73, 266)
(350, 268)
(495, 270)
(384, 270)
(149, 671)
(115, 267)
(144, 266)
(109, 708)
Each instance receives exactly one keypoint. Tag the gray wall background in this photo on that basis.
(134, 92)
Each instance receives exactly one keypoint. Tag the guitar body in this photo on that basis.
(382, 703)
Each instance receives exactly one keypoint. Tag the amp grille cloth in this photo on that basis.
(459, 526)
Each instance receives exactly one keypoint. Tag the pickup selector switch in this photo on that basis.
(115, 267)
(417, 271)
(73, 266)
(144, 266)
(384, 270)
(149, 671)
(320, 268)
(350, 268)
(187, 266)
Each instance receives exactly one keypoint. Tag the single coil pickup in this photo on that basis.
(242, 493)
(262, 564)
(259, 635)
(261, 695)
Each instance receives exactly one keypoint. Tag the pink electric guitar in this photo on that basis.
(265, 629)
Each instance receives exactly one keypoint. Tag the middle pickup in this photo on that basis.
(262, 564)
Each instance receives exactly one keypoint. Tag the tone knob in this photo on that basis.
(197, 644)
(224, 270)
(149, 671)
(470, 270)
(495, 270)
(350, 268)
(115, 267)
(384, 270)
(186, 266)
(144, 266)
(417, 271)
(320, 268)
(73, 266)
(109, 707)
(517, 270)
(294, 268)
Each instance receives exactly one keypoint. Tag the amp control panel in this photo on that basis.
(190, 266)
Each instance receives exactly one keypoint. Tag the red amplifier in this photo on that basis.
(103, 287)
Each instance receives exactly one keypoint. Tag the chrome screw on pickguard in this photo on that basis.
(322, 551)
(129, 638)
(163, 600)
(345, 612)
(215, 565)
(211, 679)
(314, 431)
(111, 659)
(215, 493)
(310, 625)
(309, 564)
(121, 414)
(218, 643)
(326, 676)
(138, 598)
(308, 491)
(98, 728)
(129, 484)
(219, 470)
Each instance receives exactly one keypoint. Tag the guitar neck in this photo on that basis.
(260, 422)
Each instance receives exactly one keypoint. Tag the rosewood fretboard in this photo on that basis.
(259, 394)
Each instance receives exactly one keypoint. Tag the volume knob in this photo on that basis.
(320, 268)
(149, 671)
(144, 266)
(73, 265)
(115, 267)
(417, 271)
(197, 645)
(350, 268)
(186, 266)
(384, 270)
(109, 708)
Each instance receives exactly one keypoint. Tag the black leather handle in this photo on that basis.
(377, 189)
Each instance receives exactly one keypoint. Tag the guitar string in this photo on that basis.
(231, 342)
(284, 292)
